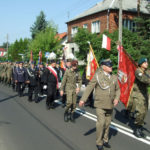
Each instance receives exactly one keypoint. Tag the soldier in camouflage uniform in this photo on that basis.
(71, 84)
(107, 94)
(140, 95)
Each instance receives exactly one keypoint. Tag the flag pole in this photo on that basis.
(93, 53)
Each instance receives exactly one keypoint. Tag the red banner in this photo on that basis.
(40, 56)
(126, 75)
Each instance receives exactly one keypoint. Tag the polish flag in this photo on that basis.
(106, 43)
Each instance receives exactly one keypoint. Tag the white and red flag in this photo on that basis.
(106, 42)
(92, 64)
(126, 75)
(2, 54)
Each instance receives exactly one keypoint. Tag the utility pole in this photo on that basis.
(120, 22)
(138, 7)
(7, 46)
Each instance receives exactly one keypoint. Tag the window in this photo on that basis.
(73, 50)
(129, 24)
(74, 31)
(96, 27)
(85, 26)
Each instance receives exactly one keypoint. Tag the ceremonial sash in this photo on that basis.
(53, 71)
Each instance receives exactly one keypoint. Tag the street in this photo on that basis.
(29, 126)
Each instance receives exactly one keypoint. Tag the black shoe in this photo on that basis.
(137, 133)
(66, 118)
(99, 147)
(106, 144)
(72, 117)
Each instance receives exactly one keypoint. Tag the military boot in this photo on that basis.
(72, 117)
(137, 132)
(66, 116)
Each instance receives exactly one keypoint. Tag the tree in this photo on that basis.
(39, 25)
(135, 46)
(17, 51)
(46, 41)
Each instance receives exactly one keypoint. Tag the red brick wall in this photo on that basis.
(102, 17)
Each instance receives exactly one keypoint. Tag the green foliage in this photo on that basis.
(45, 41)
(17, 51)
(39, 25)
(135, 45)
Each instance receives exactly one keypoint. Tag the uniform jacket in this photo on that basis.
(21, 74)
(50, 79)
(70, 80)
(32, 76)
(142, 80)
(106, 90)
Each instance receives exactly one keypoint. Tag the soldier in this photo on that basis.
(107, 95)
(68, 66)
(32, 78)
(71, 84)
(140, 95)
(13, 76)
(20, 78)
(51, 81)
(41, 71)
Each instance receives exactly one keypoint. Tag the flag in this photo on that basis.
(31, 56)
(92, 64)
(62, 64)
(40, 56)
(106, 43)
(2, 54)
(126, 75)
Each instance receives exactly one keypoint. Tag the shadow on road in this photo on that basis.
(8, 98)
(4, 123)
(90, 132)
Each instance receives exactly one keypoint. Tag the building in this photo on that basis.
(2, 52)
(105, 16)
(67, 47)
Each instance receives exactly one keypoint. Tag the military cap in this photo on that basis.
(20, 62)
(106, 62)
(51, 61)
(74, 63)
(141, 61)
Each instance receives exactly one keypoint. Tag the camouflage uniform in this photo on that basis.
(69, 84)
(140, 95)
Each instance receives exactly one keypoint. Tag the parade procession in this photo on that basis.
(87, 88)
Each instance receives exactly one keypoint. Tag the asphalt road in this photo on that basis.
(29, 126)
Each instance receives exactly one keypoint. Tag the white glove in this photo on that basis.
(45, 87)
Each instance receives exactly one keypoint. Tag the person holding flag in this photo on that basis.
(140, 95)
(107, 94)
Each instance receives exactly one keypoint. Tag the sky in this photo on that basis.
(17, 16)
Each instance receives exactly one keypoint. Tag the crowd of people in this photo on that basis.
(46, 79)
